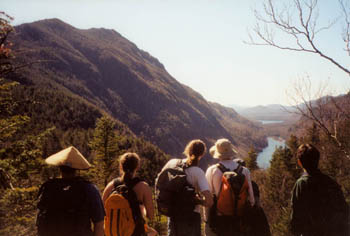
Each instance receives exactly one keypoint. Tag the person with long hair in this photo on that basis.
(129, 164)
(190, 223)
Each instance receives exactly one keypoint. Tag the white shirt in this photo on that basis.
(214, 176)
(194, 175)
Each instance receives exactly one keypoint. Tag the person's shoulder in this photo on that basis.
(212, 167)
(48, 185)
(329, 181)
(143, 185)
(89, 186)
(80, 181)
(49, 182)
(302, 180)
(172, 163)
(245, 170)
(196, 169)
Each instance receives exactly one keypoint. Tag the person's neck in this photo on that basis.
(68, 176)
(133, 174)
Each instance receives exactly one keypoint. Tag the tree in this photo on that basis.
(324, 112)
(252, 160)
(6, 55)
(280, 181)
(299, 22)
(293, 143)
(105, 144)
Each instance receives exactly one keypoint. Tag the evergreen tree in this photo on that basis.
(105, 145)
(293, 143)
(20, 167)
(312, 135)
(252, 159)
(280, 181)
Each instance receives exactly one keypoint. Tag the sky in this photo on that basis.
(201, 43)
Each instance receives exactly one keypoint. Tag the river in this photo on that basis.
(266, 122)
(265, 156)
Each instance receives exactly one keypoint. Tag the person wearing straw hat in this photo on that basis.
(224, 151)
(69, 204)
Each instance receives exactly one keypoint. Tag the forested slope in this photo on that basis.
(107, 70)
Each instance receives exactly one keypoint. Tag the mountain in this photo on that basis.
(272, 112)
(276, 119)
(111, 73)
(238, 108)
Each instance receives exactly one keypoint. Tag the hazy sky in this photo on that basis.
(200, 43)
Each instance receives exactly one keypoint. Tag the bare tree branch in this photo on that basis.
(317, 108)
(346, 29)
(304, 31)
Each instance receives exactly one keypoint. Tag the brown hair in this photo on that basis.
(193, 150)
(309, 156)
(127, 165)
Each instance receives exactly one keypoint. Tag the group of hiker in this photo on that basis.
(224, 197)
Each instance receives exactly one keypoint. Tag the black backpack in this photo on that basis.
(63, 208)
(174, 195)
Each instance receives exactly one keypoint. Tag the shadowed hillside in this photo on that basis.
(110, 72)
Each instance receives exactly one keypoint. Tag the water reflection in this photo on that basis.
(265, 122)
(265, 156)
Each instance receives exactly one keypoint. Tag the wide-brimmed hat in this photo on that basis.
(70, 157)
(223, 149)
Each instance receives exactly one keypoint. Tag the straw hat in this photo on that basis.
(70, 157)
(223, 149)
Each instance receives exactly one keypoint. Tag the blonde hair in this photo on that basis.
(193, 150)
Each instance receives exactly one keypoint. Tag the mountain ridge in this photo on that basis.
(112, 73)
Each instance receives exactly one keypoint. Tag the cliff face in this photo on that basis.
(107, 70)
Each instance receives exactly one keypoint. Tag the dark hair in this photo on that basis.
(67, 170)
(127, 165)
(309, 156)
(193, 150)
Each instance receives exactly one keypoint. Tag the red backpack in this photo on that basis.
(233, 191)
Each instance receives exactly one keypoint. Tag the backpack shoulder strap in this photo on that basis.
(117, 182)
(182, 165)
(239, 169)
(222, 168)
(48, 185)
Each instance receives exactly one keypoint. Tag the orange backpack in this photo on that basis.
(119, 220)
(233, 192)
(123, 215)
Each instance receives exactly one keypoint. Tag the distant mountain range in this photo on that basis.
(272, 112)
(107, 71)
